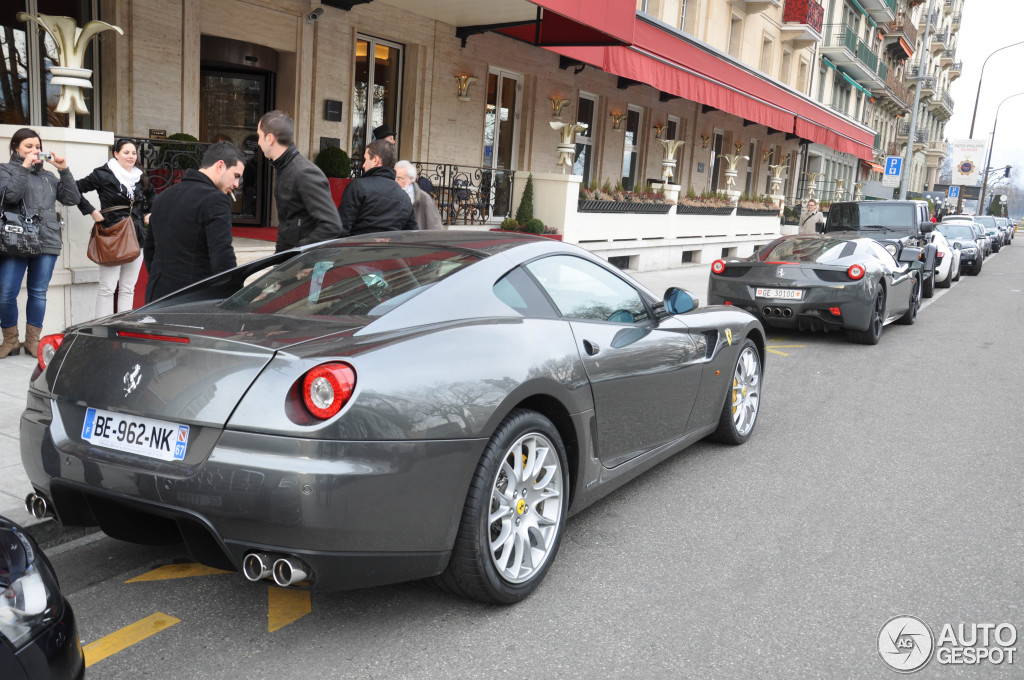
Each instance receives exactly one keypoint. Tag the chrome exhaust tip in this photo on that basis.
(37, 506)
(290, 570)
(786, 312)
(257, 566)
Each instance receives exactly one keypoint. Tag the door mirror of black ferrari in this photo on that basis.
(679, 301)
(910, 254)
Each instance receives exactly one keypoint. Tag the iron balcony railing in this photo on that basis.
(947, 100)
(165, 161)
(903, 26)
(841, 35)
(808, 12)
(897, 90)
(957, 66)
(467, 194)
(904, 131)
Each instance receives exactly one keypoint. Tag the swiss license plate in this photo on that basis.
(135, 434)
(780, 293)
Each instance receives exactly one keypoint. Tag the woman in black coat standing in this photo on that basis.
(121, 187)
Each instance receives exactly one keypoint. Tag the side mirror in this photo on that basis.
(911, 255)
(958, 245)
(679, 301)
(927, 228)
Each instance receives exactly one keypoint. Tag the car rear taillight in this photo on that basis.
(939, 255)
(855, 272)
(47, 348)
(326, 388)
(718, 266)
(834, 311)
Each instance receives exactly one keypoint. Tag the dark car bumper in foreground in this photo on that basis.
(55, 654)
(358, 513)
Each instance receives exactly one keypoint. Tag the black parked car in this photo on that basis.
(962, 235)
(38, 636)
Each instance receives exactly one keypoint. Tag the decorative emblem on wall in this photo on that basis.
(567, 147)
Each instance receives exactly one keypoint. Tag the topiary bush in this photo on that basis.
(181, 156)
(334, 162)
(534, 226)
(509, 224)
(525, 212)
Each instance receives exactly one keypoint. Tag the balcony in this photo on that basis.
(901, 38)
(946, 60)
(852, 55)
(897, 92)
(947, 6)
(920, 139)
(801, 22)
(927, 88)
(939, 42)
(755, 6)
(956, 21)
(882, 11)
(942, 105)
(935, 151)
(955, 70)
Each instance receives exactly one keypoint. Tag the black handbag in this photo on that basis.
(19, 234)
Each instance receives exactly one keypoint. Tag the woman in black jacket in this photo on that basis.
(30, 190)
(120, 186)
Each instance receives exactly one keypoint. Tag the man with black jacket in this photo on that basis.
(305, 209)
(375, 202)
(189, 235)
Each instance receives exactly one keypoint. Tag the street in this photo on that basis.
(880, 481)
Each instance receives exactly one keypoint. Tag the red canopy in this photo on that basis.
(578, 22)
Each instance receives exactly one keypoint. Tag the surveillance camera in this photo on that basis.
(315, 15)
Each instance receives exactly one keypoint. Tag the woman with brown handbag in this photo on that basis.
(123, 190)
(32, 192)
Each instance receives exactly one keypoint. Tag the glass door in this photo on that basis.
(230, 109)
(377, 93)
(501, 118)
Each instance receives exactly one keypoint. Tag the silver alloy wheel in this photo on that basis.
(526, 508)
(746, 391)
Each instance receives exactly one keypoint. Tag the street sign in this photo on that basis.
(954, 192)
(893, 167)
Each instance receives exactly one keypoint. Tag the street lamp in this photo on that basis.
(988, 156)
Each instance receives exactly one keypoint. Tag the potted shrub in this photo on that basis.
(756, 205)
(336, 165)
(706, 203)
(616, 199)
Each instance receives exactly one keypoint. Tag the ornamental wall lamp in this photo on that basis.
(557, 104)
(767, 155)
(617, 119)
(739, 147)
(659, 129)
(704, 139)
(464, 82)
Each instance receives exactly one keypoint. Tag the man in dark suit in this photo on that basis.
(375, 202)
(189, 237)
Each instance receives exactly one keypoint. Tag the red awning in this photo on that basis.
(673, 64)
(578, 22)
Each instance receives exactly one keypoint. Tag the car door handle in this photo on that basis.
(591, 348)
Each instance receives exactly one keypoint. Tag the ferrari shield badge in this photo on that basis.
(132, 379)
(728, 335)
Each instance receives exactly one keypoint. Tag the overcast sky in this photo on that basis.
(987, 25)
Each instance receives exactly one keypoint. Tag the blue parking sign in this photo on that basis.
(893, 165)
(954, 192)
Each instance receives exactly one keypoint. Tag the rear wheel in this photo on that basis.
(948, 281)
(873, 334)
(910, 316)
(743, 399)
(514, 515)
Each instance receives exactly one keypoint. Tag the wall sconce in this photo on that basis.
(704, 139)
(767, 154)
(464, 82)
(786, 159)
(557, 104)
(658, 130)
(739, 146)
(617, 119)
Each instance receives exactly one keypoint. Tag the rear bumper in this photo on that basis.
(359, 513)
(811, 313)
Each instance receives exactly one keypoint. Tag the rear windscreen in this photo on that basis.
(811, 249)
(364, 280)
(955, 230)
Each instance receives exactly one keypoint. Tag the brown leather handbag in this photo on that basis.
(114, 245)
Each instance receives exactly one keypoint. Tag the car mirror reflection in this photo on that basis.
(679, 301)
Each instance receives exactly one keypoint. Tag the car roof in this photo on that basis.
(483, 243)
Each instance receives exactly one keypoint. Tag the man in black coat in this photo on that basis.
(189, 235)
(375, 202)
(305, 209)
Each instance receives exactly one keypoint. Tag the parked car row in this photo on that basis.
(871, 267)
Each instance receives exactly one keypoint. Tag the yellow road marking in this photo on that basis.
(285, 606)
(126, 637)
(170, 571)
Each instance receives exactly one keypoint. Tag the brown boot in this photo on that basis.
(11, 344)
(31, 344)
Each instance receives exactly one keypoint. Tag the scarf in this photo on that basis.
(127, 178)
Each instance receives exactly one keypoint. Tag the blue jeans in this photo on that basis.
(12, 270)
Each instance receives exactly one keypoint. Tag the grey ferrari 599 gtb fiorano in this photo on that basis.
(375, 410)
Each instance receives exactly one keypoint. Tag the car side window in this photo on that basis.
(584, 290)
(517, 290)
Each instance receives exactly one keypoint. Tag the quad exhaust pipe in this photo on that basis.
(284, 570)
(37, 506)
(783, 312)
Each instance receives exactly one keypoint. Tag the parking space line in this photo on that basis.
(286, 606)
(774, 348)
(126, 637)
(171, 571)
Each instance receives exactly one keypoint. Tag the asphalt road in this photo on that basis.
(880, 481)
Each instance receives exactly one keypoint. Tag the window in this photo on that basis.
(376, 92)
(735, 36)
(583, 165)
(682, 15)
(787, 65)
(584, 290)
(27, 98)
(675, 131)
(766, 55)
(630, 148)
(751, 167)
(517, 290)
(822, 72)
(801, 76)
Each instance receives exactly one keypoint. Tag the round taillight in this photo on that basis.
(48, 347)
(856, 272)
(718, 266)
(326, 388)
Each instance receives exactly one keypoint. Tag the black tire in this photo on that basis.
(948, 281)
(742, 399)
(873, 334)
(928, 285)
(910, 316)
(977, 267)
(472, 571)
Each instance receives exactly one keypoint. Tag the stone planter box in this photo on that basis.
(702, 210)
(758, 213)
(553, 237)
(594, 205)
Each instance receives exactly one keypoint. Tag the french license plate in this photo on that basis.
(780, 293)
(135, 434)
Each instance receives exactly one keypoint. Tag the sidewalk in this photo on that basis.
(15, 372)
